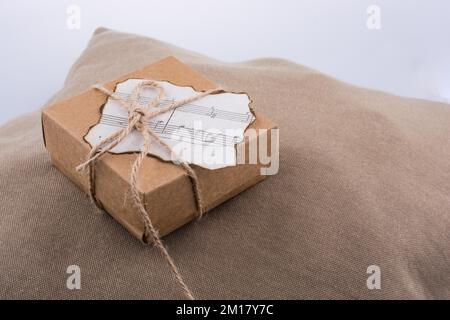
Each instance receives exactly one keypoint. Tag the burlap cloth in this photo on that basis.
(364, 180)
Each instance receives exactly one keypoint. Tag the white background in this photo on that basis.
(409, 56)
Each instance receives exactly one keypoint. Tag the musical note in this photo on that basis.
(209, 138)
(212, 112)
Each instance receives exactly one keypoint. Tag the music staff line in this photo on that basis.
(211, 112)
(168, 131)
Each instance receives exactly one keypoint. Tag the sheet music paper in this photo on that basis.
(203, 132)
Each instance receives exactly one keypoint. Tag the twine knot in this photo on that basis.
(138, 111)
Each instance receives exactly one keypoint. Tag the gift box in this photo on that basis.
(164, 187)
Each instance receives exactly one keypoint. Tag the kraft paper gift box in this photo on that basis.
(165, 187)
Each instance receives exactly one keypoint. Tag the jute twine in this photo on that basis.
(138, 115)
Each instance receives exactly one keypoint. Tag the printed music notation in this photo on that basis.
(212, 112)
(204, 132)
(176, 131)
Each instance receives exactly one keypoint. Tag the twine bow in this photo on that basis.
(138, 116)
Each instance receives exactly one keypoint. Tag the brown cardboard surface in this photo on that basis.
(165, 187)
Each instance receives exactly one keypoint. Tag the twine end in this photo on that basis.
(80, 168)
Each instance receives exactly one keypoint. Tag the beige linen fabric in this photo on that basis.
(364, 180)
